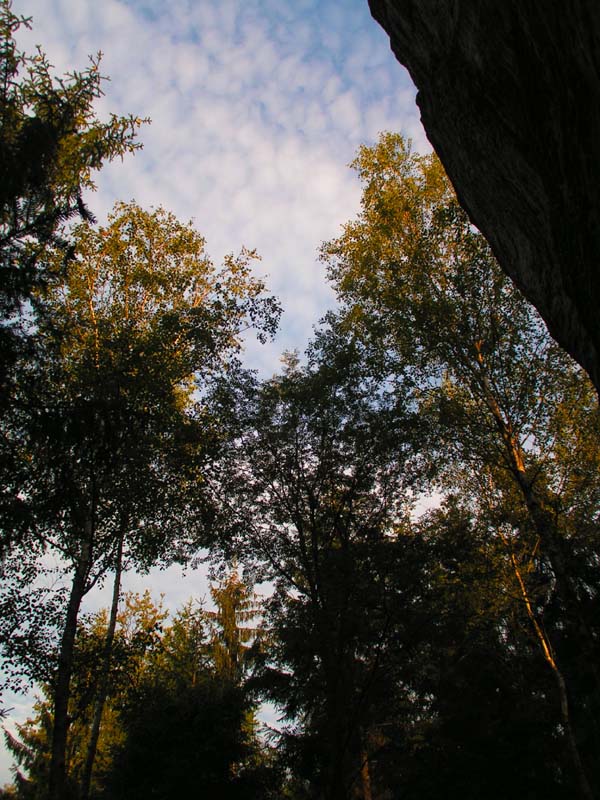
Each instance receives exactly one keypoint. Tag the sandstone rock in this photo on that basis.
(509, 92)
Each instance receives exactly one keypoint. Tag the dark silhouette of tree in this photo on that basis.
(190, 727)
(177, 720)
(318, 489)
(137, 638)
(51, 143)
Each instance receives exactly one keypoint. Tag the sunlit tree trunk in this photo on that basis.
(546, 647)
(365, 773)
(543, 520)
(545, 527)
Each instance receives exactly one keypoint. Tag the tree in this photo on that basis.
(318, 485)
(420, 287)
(481, 718)
(176, 720)
(499, 86)
(137, 639)
(106, 422)
(190, 726)
(51, 142)
(233, 641)
(379, 626)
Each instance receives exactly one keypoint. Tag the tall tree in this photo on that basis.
(51, 143)
(137, 642)
(374, 617)
(190, 725)
(420, 286)
(319, 482)
(106, 420)
(233, 634)
(177, 721)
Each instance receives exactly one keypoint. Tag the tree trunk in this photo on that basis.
(104, 678)
(544, 524)
(62, 685)
(545, 527)
(585, 788)
(365, 774)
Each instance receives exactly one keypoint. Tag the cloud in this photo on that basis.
(257, 108)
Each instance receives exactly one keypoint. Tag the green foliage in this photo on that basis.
(137, 640)
(400, 653)
(51, 143)
(482, 711)
(189, 725)
(182, 743)
(177, 719)
(104, 422)
(319, 485)
(234, 644)
(421, 290)
(108, 437)
(30, 751)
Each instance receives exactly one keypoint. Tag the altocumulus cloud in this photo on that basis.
(257, 108)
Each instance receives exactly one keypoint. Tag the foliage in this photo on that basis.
(421, 289)
(481, 716)
(176, 720)
(190, 725)
(105, 421)
(319, 483)
(51, 143)
(234, 644)
(109, 436)
(137, 639)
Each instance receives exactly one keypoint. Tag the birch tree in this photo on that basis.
(110, 434)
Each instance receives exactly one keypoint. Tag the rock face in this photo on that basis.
(509, 92)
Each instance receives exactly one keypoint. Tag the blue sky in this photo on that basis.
(257, 108)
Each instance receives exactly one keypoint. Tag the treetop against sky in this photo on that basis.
(256, 108)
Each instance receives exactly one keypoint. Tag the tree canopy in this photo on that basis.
(420, 491)
(109, 436)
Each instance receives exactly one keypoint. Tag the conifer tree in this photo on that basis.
(51, 143)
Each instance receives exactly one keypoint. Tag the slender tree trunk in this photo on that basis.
(62, 685)
(365, 774)
(104, 678)
(544, 523)
(584, 785)
(545, 527)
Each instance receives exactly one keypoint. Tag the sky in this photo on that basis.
(257, 109)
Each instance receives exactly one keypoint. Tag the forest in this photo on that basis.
(420, 490)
